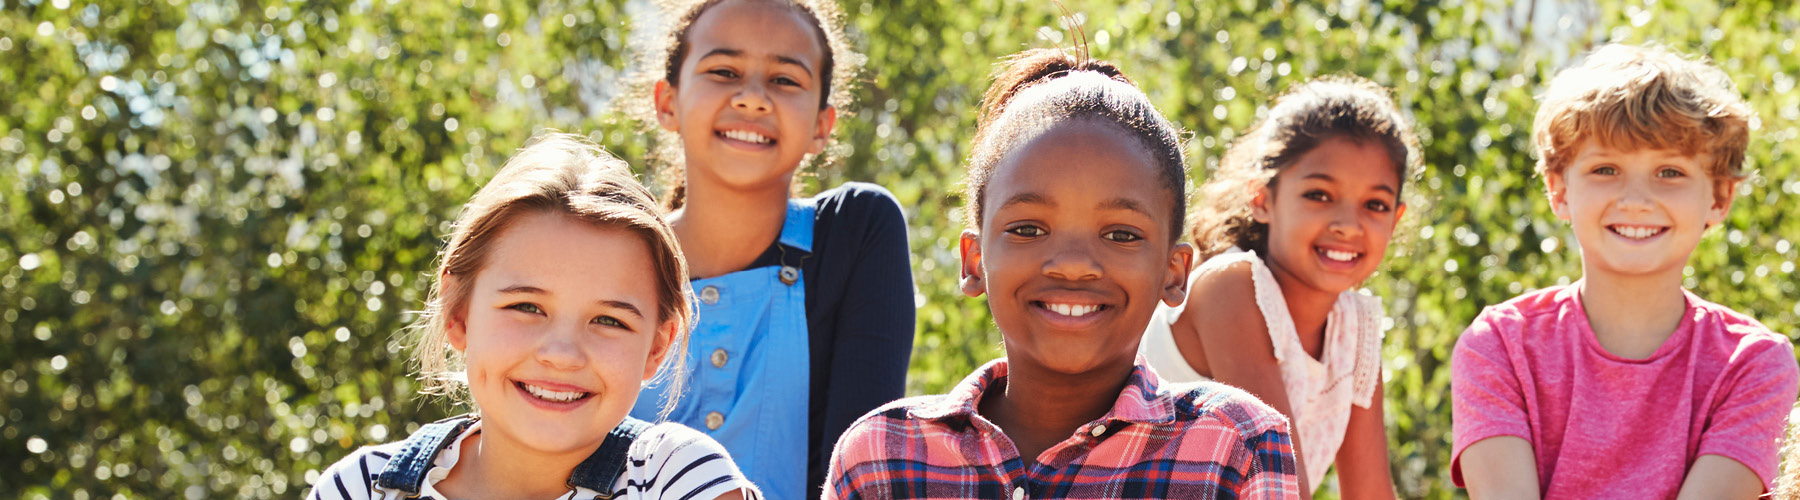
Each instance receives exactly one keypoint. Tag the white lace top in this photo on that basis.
(1320, 391)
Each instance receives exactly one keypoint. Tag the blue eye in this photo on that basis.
(1669, 173)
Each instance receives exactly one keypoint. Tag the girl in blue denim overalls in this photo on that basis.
(805, 306)
(560, 293)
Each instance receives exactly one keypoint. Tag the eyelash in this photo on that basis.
(1020, 230)
(1126, 236)
(530, 308)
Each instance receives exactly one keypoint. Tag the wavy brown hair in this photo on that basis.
(1346, 107)
(555, 173)
(1644, 97)
(1036, 89)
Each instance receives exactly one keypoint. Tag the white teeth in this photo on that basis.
(1636, 232)
(557, 396)
(1341, 256)
(746, 136)
(1072, 310)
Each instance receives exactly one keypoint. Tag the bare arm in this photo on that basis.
(1222, 313)
(732, 495)
(1500, 467)
(1715, 476)
(1362, 462)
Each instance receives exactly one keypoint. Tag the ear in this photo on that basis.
(456, 330)
(1721, 203)
(1556, 186)
(1259, 202)
(973, 281)
(660, 345)
(1181, 262)
(1399, 212)
(822, 129)
(665, 105)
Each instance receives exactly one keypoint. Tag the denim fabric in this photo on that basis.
(753, 323)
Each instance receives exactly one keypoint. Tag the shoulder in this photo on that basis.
(857, 200)
(1506, 320)
(1224, 404)
(354, 475)
(899, 418)
(684, 463)
(675, 443)
(1748, 339)
(1224, 285)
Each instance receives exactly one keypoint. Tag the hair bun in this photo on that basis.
(1033, 66)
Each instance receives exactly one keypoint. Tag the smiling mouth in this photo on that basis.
(1637, 232)
(1070, 310)
(1337, 255)
(746, 136)
(553, 396)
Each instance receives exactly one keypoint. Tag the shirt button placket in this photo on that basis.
(715, 420)
(719, 358)
(1019, 493)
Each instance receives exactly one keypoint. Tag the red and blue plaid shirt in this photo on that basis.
(1188, 441)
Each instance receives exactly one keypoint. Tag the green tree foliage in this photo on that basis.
(217, 215)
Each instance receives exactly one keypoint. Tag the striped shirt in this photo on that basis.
(1190, 441)
(668, 461)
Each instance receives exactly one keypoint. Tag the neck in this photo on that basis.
(723, 230)
(495, 468)
(1038, 408)
(1308, 307)
(1632, 316)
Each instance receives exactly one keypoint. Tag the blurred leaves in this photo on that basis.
(215, 216)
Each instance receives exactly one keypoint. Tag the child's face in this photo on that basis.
(1636, 212)
(1074, 250)
(560, 332)
(747, 108)
(1331, 215)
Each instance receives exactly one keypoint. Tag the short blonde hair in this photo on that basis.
(1644, 97)
(555, 173)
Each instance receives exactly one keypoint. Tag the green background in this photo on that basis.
(214, 216)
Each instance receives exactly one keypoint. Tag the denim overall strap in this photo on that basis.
(749, 360)
(603, 468)
(405, 471)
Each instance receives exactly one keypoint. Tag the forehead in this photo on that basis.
(1345, 161)
(757, 29)
(565, 255)
(1079, 166)
(1593, 150)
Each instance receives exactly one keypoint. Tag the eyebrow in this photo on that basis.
(778, 58)
(1328, 178)
(1112, 204)
(532, 290)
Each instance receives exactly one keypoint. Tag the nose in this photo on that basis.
(1635, 197)
(558, 349)
(1345, 223)
(1073, 261)
(752, 97)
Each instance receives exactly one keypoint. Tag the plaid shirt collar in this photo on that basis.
(1137, 403)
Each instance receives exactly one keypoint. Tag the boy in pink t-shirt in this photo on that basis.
(1624, 384)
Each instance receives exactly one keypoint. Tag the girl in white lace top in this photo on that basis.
(1298, 215)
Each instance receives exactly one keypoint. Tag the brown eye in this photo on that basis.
(1027, 231)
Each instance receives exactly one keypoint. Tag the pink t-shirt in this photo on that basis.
(1603, 426)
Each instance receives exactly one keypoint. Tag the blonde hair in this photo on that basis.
(1646, 97)
(554, 173)
(658, 57)
(1346, 107)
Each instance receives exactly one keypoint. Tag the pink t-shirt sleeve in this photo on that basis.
(1487, 397)
(1751, 414)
